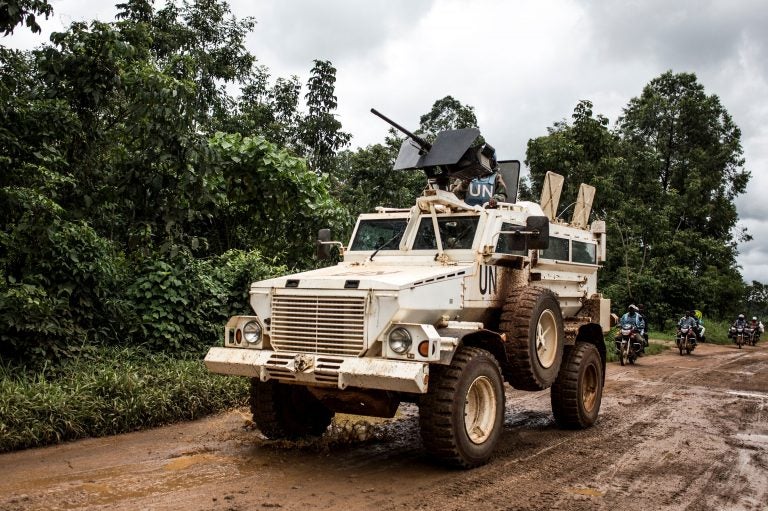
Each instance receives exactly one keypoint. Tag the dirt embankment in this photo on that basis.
(674, 433)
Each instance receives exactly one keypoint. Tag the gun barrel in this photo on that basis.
(422, 143)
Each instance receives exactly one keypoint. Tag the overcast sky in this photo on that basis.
(522, 65)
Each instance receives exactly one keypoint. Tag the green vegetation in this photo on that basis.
(673, 145)
(145, 159)
(108, 391)
(717, 332)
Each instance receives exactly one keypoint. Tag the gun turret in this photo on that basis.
(423, 144)
(451, 156)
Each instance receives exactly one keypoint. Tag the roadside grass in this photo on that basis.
(111, 391)
(717, 332)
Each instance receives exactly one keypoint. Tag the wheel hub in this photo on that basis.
(480, 410)
(589, 388)
(546, 338)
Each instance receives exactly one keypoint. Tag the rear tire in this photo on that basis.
(283, 411)
(462, 413)
(533, 324)
(578, 391)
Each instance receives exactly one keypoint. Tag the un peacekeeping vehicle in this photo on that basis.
(437, 305)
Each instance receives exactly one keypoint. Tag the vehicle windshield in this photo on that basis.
(384, 234)
(455, 233)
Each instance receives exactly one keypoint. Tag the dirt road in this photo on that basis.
(674, 433)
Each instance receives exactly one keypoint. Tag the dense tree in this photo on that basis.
(319, 130)
(585, 151)
(666, 180)
(116, 183)
(16, 12)
(757, 300)
(447, 113)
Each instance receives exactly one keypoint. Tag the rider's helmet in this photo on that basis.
(754, 318)
(691, 313)
(633, 308)
(741, 316)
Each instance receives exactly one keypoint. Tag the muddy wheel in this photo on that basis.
(533, 325)
(462, 414)
(578, 391)
(283, 411)
(680, 347)
(622, 357)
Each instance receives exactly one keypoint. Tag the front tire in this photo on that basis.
(462, 413)
(578, 391)
(283, 411)
(533, 325)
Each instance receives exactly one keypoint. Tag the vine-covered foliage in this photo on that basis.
(129, 215)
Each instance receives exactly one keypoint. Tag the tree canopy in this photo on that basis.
(666, 177)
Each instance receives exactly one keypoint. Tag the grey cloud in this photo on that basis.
(753, 255)
(298, 32)
(690, 35)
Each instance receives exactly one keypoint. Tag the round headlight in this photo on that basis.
(252, 332)
(399, 340)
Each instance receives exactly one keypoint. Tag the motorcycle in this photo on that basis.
(753, 335)
(686, 340)
(627, 348)
(739, 335)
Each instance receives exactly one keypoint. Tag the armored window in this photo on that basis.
(379, 234)
(584, 252)
(501, 244)
(558, 249)
(455, 233)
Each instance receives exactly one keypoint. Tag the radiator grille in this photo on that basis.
(318, 324)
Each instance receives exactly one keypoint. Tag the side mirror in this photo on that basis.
(539, 226)
(535, 235)
(322, 245)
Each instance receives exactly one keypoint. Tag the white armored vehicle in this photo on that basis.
(438, 305)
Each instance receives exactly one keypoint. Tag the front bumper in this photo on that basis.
(324, 370)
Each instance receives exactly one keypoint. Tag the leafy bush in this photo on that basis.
(183, 303)
(112, 391)
(61, 289)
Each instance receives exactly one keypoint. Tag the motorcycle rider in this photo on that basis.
(633, 317)
(699, 326)
(688, 321)
(641, 311)
(740, 322)
(757, 326)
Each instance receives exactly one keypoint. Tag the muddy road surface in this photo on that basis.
(674, 433)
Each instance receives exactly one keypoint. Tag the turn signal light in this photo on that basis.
(424, 349)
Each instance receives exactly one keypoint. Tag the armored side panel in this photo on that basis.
(583, 206)
(550, 194)
(510, 172)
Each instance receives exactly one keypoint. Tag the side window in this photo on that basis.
(584, 252)
(558, 249)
